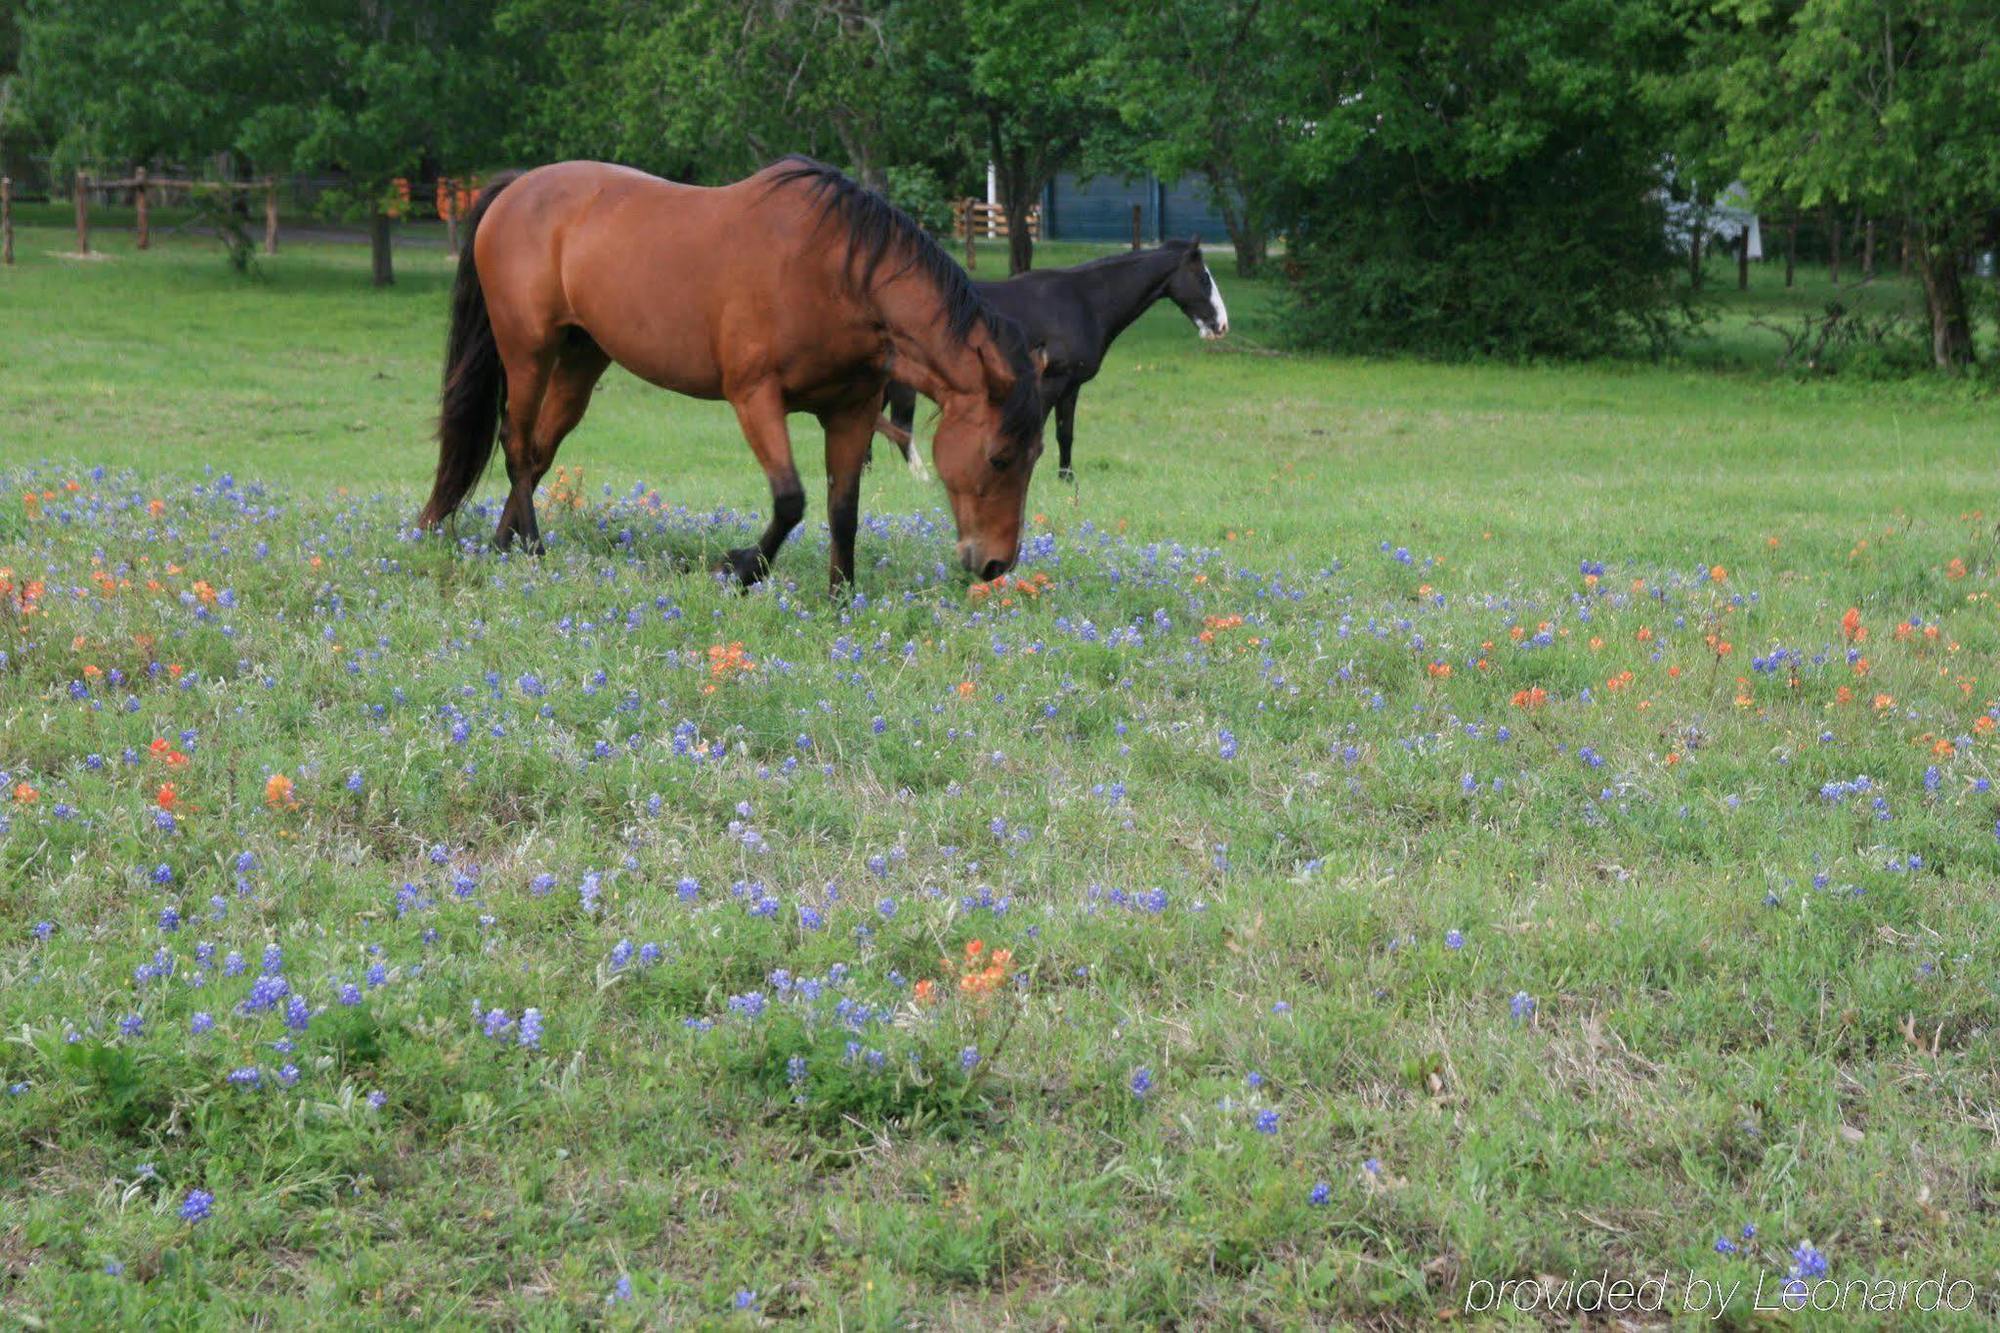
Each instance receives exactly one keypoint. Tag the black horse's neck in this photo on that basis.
(1128, 285)
(1119, 288)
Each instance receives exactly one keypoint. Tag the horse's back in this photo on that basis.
(643, 265)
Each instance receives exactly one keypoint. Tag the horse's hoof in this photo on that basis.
(745, 564)
(1067, 474)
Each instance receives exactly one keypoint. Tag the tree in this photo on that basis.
(1477, 179)
(388, 87)
(1190, 79)
(373, 88)
(1021, 82)
(1889, 104)
(713, 89)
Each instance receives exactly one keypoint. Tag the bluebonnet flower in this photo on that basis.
(968, 1057)
(1321, 1194)
(1454, 939)
(1522, 1005)
(202, 1022)
(1142, 1082)
(197, 1205)
(377, 1100)
(1267, 1122)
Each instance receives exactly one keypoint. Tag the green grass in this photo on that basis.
(1705, 1036)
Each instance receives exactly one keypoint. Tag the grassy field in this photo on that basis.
(1405, 828)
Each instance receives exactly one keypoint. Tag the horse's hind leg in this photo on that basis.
(564, 401)
(527, 380)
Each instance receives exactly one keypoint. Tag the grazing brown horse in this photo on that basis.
(793, 291)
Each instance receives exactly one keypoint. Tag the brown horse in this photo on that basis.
(793, 291)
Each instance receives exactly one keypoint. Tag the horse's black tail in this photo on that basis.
(475, 387)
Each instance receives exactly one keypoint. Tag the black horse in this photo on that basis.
(1075, 313)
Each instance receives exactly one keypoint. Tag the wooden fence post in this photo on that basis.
(6, 220)
(1743, 259)
(271, 215)
(1137, 214)
(971, 256)
(82, 214)
(139, 198)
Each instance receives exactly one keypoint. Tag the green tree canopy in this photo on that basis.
(1894, 104)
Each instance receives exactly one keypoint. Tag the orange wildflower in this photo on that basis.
(278, 791)
(25, 793)
(168, 798)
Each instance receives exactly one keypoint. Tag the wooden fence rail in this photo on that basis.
(990, 220)
(142, 187)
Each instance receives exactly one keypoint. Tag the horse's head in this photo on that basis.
(988, 436)
(1192, 288)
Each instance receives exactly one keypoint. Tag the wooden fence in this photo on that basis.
(142, 187)
(971, 218)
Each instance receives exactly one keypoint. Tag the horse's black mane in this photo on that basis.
(878, 232)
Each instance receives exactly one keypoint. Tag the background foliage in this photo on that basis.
(1415, 163)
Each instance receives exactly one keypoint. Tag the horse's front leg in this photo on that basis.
(848, 432)
(761, 414)
(1066, 430)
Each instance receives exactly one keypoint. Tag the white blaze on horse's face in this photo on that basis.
(1217, 322)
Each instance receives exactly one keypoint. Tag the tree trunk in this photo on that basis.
(1743, 259)
(378, 244)
(1694, 252)
(1833, 247)
(1020, 245)
(1017, 196)
(1246, 233)
(1944, 295)
(1791, 246)
(1252, 249)
(1868, 251)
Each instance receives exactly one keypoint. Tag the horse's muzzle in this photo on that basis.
(976, 564)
